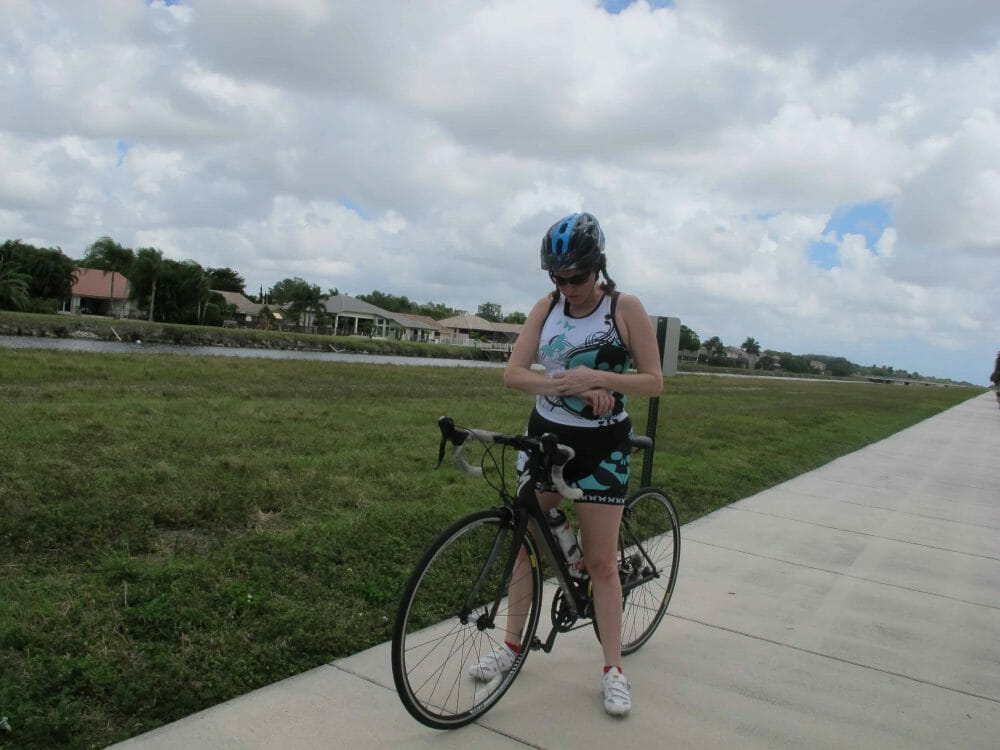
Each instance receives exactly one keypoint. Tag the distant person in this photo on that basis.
(995, 377)
(587, 336)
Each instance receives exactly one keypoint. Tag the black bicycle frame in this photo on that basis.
(526, 510)
(527, 500)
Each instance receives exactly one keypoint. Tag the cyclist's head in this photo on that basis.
(575, 242)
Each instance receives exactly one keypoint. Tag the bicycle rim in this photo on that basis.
(440, 630)
(650, 519)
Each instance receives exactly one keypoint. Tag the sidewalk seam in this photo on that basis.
(840, 659)
(861, 533)
(376, 683)
(869, 506)
(844, 575)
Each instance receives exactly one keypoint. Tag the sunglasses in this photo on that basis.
(572, 280)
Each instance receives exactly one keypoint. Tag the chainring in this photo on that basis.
(563, 618)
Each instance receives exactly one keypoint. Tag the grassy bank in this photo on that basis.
(176, 531)
(110, 329)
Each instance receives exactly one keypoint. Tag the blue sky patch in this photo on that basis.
(351, 205)
(122, 148)
(824, 255)
(866, 219)
(617, 6)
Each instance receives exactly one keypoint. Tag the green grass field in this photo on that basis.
(175, 531)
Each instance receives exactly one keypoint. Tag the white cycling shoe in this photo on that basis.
(497, 662)
(615, 688)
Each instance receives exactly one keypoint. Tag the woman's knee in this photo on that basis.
(601, 567)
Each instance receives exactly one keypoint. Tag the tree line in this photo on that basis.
(41, 279)
(714, 352)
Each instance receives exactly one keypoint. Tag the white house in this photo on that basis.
(355, 317)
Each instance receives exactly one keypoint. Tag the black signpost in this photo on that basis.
(668, 339)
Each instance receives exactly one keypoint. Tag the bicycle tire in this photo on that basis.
(434, 641)
(650, 516)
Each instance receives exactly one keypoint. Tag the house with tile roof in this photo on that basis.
(355, 317)
(97, 292)
(433, 333)
(472, 330)
(349, 316)
(246, 313)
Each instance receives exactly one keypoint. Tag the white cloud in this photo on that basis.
(423, 150)
(842, 32)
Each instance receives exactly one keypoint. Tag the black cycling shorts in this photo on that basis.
(600, 466)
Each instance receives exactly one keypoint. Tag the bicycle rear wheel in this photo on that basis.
(649, 545)
(444, 622)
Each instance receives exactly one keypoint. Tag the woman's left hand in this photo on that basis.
(599, 400)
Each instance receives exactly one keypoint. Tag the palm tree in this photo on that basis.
(715, 347)
(194, 288)
(305, 299)
(146, 270)
(13, 287)
(108, 256)
(752, 347)
(265, 318)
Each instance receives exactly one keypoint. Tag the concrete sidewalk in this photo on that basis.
(854, 606)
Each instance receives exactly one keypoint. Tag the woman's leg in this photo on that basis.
(599, 537)
(519, 593)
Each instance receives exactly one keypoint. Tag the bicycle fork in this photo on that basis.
(486, 619)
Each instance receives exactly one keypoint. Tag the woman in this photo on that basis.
(587, 336)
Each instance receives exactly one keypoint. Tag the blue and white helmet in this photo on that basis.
(575, 241)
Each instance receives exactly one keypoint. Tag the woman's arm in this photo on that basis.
(641, 341)
(518, 374)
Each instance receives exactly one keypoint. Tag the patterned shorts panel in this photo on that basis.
(607, 484)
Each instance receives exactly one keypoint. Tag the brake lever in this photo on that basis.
(556, 457)
(449, 434)
(447, 426)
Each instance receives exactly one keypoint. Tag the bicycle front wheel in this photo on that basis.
(649, 554)
(456, 608)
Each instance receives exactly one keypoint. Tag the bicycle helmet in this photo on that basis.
(575, 241)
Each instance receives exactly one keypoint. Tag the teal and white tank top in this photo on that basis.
(593, 341)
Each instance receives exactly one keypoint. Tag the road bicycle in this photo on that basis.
(463, 598)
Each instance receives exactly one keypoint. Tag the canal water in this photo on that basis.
(122, 347)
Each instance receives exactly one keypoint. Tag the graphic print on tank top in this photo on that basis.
(600, 349)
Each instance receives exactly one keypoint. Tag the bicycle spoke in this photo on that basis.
(649, 541)
(432, 660)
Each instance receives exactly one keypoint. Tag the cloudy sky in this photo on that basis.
(821, 176)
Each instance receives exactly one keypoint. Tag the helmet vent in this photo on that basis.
(575, 241)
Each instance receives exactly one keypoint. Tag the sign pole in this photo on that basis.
(668, 341)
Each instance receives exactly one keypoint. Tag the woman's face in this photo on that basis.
(575, 284)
